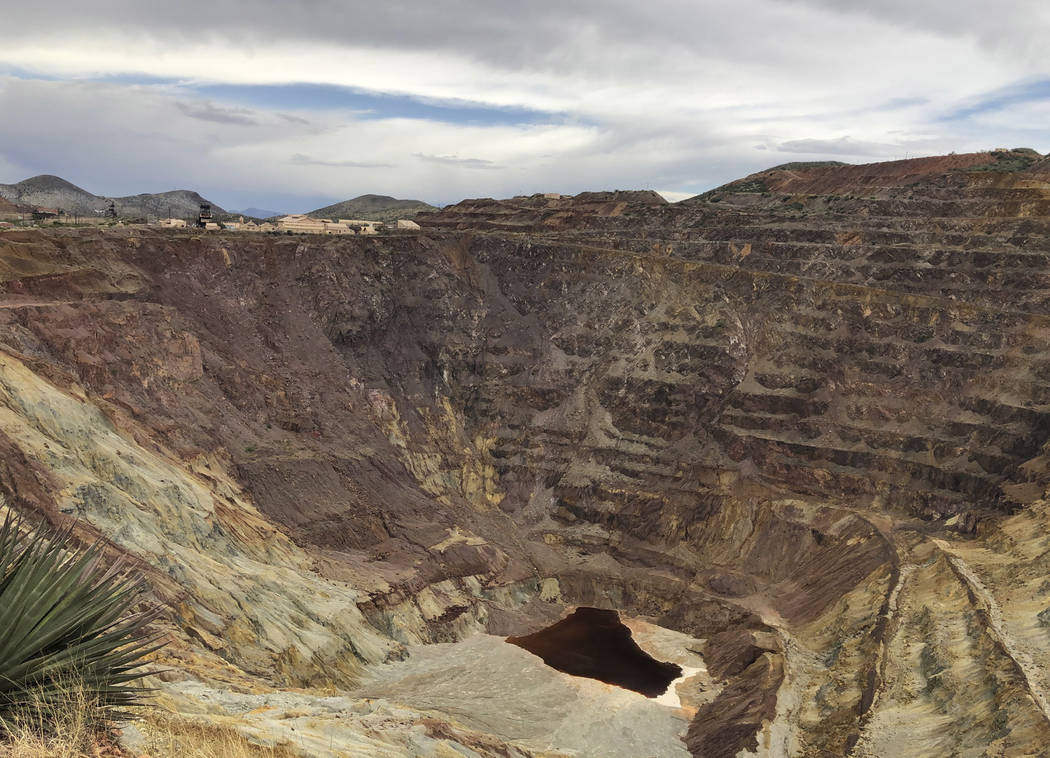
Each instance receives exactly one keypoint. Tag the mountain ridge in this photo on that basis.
(373, 208)
(50, 191)
(818, 177)
(254, 212)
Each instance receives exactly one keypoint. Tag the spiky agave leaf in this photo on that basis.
(65, 617)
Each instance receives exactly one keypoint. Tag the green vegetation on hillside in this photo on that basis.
(1017, 159)
(802, 165)
(748, 186)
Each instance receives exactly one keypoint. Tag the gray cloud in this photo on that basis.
(455, 160)
(605, 38)
(305, 160)
(511, 35)
(1014, 26)
(206, 111)
(840, 146)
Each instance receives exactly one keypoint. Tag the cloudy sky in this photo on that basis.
(290, 106)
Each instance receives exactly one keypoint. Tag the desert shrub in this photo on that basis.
(802, 165)
(749, 185)
(66, 622)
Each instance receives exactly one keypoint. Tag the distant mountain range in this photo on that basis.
(373, 208)
(257, 213)
(54, 192)
(49, 191)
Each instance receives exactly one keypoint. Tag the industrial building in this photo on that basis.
(302, 224)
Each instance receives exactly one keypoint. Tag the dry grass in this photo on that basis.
(170, 736)
(69, 728)
(76, 728)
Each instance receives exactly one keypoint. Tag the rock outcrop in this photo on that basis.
(800, 422)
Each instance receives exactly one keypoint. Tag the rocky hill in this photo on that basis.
(176, 203)
(54, 192)
(373, 208)
(794, 431)
(259, 213)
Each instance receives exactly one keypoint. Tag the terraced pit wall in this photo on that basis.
(743, 418)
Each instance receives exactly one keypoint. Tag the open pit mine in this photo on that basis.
(763, 472)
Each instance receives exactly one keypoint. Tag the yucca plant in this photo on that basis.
(65, 616)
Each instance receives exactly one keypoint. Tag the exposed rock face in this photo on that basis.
(800, 420)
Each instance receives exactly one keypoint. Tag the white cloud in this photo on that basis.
(841, 146)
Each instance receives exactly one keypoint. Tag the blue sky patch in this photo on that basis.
(367, 104)
(1023, 92)
(306, 96)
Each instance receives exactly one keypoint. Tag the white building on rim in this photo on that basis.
(300, 223)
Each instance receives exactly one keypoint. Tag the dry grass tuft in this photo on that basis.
(71, 727)
(75, 727)
(171, 736)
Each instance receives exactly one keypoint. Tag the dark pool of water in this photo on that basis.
(592, 642)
